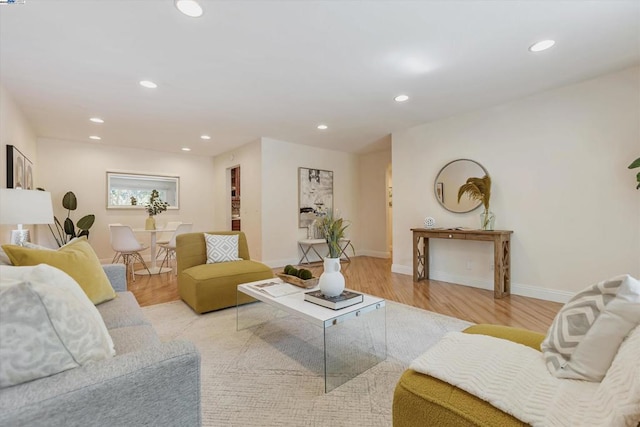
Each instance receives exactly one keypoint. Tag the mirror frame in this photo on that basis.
(172, 183)
(436, 182)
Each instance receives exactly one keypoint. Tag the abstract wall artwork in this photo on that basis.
(19, 169)
(315, 195)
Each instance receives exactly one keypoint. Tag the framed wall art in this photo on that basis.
(315, 195)
(19, 169)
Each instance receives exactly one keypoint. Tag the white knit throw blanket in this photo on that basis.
(513, 378)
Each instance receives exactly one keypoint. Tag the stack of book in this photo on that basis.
(345, 299)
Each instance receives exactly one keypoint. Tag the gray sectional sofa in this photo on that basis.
(146, 383)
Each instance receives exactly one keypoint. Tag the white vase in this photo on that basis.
(331, 280)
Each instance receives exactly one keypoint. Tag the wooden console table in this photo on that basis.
(501, 253)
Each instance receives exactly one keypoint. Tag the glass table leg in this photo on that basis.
(353, 345)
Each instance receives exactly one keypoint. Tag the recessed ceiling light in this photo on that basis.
(148, 84)
(205, 137)
(186, 149)
(323, 127)
(401, 98)
(540, 46)
(94, 137)
(189, 7)
(96, 120)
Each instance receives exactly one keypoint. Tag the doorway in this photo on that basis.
(235, 199)
(389, 182)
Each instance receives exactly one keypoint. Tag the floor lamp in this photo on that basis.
(24, 207)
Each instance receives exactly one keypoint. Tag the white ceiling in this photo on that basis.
(250, 69)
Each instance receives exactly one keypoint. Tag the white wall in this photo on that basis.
(558, 161)
(248, 157)
(280, 163)
(81, 167)
(373, 200)
(15, 130)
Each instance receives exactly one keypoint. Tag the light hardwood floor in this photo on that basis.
(373, 276)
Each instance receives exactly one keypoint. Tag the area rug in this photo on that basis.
(268, 376)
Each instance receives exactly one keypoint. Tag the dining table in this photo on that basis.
(153, 266)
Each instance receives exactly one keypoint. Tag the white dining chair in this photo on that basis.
(170, 247)
(164, 236)
(127, 247)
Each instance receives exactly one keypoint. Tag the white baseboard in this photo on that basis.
(276, 263)
(374, 254)
(516, 288)
(541, 293)
(474, 282)
(402, 269)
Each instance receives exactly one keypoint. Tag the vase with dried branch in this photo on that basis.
(479, 189)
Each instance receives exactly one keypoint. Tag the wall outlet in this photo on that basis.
(491, 266)
(469, 265)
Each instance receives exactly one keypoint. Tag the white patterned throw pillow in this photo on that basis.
(587, 332)
(221, 248)
(47, 325)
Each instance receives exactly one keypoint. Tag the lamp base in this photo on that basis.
(18, 237)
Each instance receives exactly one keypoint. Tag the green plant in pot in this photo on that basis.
(333, 229)
(154, 207)
(331, 280)
(64, 232)
(479, 189)
(633, 165)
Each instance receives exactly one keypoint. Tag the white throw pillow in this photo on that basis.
(221, 248)
(47, 325)
(588, 330)
(4, 258)
(36, 246)
(616, 401)
(46, 248)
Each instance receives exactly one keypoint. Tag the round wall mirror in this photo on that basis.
(449, 180)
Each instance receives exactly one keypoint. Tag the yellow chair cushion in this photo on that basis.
(517, 335)
(422, 400)
(77, 259)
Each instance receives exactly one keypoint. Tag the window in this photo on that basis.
(132, 190)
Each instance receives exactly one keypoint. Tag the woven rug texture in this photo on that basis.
(272, 374)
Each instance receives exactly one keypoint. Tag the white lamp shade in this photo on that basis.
(25, 206)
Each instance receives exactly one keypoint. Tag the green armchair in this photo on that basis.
(207, 287)
(421, 400)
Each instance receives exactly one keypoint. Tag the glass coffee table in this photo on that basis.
(353, 339)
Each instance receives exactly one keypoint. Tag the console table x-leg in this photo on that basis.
(308, 245)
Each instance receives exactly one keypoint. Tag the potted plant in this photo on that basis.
(636, 164)
(479, 189)
(66, 231)
(154, 207)
(332, 280)
(333, 229)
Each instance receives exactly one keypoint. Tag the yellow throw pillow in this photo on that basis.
(77, 259)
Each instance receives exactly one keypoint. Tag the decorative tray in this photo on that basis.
(294, 280)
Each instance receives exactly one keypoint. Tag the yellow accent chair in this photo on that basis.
(207, 287)
(421, 400)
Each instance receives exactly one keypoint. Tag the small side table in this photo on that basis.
(307, 245)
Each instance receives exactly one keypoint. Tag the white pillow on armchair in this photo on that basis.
(587, 332)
